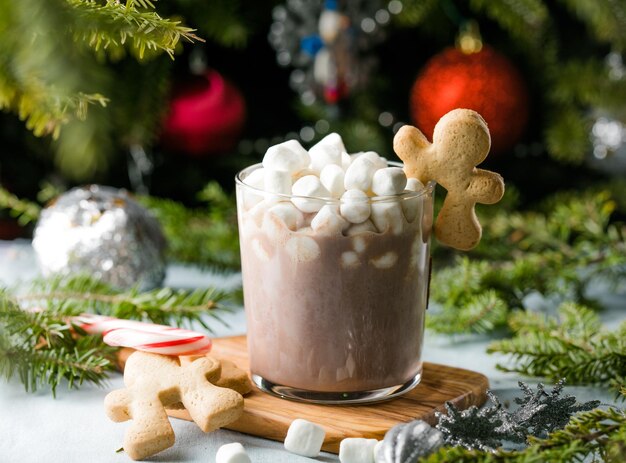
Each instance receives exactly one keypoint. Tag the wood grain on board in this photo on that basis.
(269, 417)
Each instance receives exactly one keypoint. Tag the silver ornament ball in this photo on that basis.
(407, 442)
(102, 232)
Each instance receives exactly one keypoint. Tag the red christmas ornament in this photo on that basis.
(206, 116)
(486, 82)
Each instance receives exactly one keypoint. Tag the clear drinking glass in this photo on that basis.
(334, 316)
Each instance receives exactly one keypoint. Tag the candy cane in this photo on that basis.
(148, 337)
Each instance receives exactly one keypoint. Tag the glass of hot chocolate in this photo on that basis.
(335, 252)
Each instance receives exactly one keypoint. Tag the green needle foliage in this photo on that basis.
(538, 414)
(42, 347)
(596, 435)
(570, 345)
(53, 73)
(206, 236)
(557, 253)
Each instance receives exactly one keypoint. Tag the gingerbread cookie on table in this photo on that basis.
(154, 382)
(461, 141)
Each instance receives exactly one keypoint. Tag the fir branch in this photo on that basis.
(113, 25)
(539, 413)
(42, 347)
(557, 253)
(525, 20)
(597, 434)
(207, 237)
(166, 306)
(605, 18)
(25, 211)
(570, 346)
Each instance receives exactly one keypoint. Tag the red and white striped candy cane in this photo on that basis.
(147, 337)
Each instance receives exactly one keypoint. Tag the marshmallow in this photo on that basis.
(326, 152)
(357, 450)
(232, 453)
(388, 181)
(332, 177)
(256, 179)
(277, 181)
(359, 174)
(301, 173)
(379, 161)
(387, 260)
(302, 248)
(413, 184)
(350, 259)
(362, 227)
(309, 185)
(328, 221)
(411, 207)
(359, 244)
(289, 214)
(304, 438)
(388, 215)
(355, 206)
(288, 156)
(260, 251)
(345, 160)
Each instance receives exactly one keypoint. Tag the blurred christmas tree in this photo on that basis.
(93, 81)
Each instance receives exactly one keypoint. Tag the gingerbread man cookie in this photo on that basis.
(461, 141)
(155, 381)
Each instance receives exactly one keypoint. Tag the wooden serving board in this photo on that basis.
(269, 417)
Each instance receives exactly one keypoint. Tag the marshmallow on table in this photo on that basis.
(328, 221)
(359, 174)
(288, 156)
(355, 206)
(332, 177)
(310, 186)
(232, 453)
(357, 450)
(388, 181)
(304, 438)
(388, 215)
(328, 151)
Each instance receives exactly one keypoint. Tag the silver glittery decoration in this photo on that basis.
(103, 232)
(407, 442)
(538, 413)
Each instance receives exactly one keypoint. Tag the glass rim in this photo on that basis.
(405, 195)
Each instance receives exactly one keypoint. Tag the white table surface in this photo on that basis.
(73, 427)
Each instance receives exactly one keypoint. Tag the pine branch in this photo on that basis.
(42, 347)
(556, 253)
(606, 19)
(204, 237)
(525, 20)
(570, 346)
(114, 25)
(25, 211)
(594, 434)
(166, 306)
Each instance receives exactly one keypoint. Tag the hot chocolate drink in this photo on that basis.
(335, 282)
